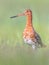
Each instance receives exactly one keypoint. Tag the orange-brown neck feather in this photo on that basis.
(29, 20)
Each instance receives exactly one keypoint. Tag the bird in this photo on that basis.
(30, 36)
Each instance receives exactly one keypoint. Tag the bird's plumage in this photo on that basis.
(30, 36)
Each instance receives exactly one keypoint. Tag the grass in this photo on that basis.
(12, 49)
(23, 55)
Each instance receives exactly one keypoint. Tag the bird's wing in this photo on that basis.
(38, 39)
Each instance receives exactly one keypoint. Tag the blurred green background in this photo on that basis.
(12, 51)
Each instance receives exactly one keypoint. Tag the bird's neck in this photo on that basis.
(29, 21)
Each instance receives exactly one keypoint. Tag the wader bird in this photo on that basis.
(30, 36)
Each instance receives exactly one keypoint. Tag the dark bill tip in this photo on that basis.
(13, 16)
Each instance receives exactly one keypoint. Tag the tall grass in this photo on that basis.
(12, 49)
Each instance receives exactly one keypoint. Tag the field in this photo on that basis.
(12, 49)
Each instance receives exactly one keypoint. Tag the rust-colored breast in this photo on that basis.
(28, 33)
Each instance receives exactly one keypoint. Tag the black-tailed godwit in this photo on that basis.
(30, 36)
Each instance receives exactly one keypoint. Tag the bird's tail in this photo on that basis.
(43, 45)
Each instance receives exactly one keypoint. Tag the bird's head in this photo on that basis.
(25, 13)
(28, 12)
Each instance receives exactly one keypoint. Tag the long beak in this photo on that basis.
(18, 15)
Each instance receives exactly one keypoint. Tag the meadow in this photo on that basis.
(12, 49)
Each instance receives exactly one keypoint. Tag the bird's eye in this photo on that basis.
(27, 11)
